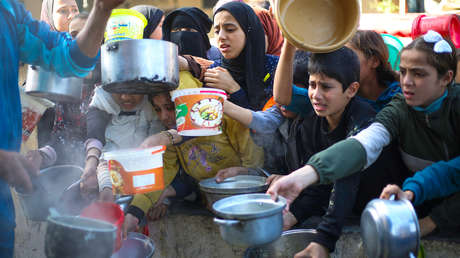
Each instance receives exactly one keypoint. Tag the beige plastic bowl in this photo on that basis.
(318, 26)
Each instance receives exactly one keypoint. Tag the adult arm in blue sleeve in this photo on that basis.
(56, 50)
(438, 180)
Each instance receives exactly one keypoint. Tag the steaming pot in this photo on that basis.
(49, 85)
(139, 66)
(390, 228)
(77, 237)
(48, 188)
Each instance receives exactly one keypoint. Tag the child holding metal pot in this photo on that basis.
(199, 157)
(336, 114)
(424, 121)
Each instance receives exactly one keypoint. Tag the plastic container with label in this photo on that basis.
(136, 171)
(199, 111)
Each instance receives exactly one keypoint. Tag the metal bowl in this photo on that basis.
(139, 66)
(136, 245)
(231, 186)
(250, 219)
(49, 85)
(290, 243)
(48, 188)
(390, 229)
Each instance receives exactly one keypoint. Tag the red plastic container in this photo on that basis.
(109, 212)
(446, 25)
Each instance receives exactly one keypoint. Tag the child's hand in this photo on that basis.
(390, 190)
(130, 224)
(230, 172)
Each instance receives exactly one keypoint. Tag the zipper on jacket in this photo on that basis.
(427, 120)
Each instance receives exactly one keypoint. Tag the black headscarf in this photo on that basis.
(248, 69)
(190, 43)
(153, 16)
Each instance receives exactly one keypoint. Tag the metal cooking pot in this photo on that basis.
(290, 243)
(49, 85)
(249, 219)
(390, 228)
(231, 186)
(136, 245)
(68, 236)
(140, 66)
(48, 188)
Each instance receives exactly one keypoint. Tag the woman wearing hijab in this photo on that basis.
(188, 27)
(273, 37)
(58, 13)
(245, 72)
(155, 18)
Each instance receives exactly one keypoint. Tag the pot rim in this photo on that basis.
(240, 190)
(108, 227)
(279, 205)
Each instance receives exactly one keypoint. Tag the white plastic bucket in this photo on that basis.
(199, 111)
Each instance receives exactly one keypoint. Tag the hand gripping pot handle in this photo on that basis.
(226, 222)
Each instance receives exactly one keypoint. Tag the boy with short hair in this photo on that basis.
(333, 84)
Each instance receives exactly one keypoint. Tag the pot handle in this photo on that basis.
(226, 222)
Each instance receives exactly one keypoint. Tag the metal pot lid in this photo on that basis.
(248, 206)
(234, 185)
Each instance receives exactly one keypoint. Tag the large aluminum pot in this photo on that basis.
(390, 228)
(48, 188)
(290, 243)
(139, 66)
(250, 219)
(77, 237)
(244, 184)
(49, 85)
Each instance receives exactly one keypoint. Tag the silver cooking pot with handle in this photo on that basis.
(139, 66)
(390, 228)
(249, 219)
(47, 84)
(231, 186)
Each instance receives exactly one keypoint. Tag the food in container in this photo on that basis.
(136, 171)
(199, 111)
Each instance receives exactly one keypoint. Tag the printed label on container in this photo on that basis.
(134, 182)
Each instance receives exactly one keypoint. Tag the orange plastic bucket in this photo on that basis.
(446, 25)
(136, 170)
(199, 111)
(109, 212)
